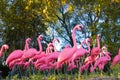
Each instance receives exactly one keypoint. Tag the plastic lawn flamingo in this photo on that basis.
(32, 51)
(67, 53)
(88, 62)
(116, 59)
(80, 52)
(50, 55)
(16, 54)
(3, 48)
(94, 53)
(103, 59)
(96, 50)
(54, 55)
(51, 46)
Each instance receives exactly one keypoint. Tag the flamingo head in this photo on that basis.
(67, 46)
(50, 45)
(6, 46)
(40, 37)
(79, 27)
(28, 40)
(56, 39)
(104, 49)
(98, 36)
(88, 40)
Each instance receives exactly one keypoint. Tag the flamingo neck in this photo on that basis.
(2, 49)
(55, 49)
(49, 50)
(40, 45)
(73, 38)
(26, 46)
(98, 43)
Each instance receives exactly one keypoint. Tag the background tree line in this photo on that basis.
(20, 19)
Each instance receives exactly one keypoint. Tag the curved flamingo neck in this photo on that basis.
(49, 50)
(98, 42)
(73, 38)
(107, 55)
(26, 46)
(2, 48)
(55, 49)
(40, 45)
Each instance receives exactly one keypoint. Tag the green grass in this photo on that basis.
(115, 73)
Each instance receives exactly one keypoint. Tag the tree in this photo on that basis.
(19, 23)
(61, 16)
(98, 17)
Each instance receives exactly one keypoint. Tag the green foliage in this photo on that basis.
(20, 19)
(19, 23)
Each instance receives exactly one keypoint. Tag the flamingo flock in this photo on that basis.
(97, 57)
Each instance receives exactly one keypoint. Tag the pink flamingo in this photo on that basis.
(55, 40)
(41, 52)
(50, 54)
(88, 62)
(103, 59)
(50, 60)
(90, 59)
(13, 60)
(96, 50)
(44, 67)
(3, 48)
(19, 61)
(13, 63)
(67, 53)
(54, 54)
(32, 51)
(16, 54)
(116, 59)
(80, 52)
(44, 59)
(51, 46)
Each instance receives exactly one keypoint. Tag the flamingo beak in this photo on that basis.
(82, 28)
(6, 47)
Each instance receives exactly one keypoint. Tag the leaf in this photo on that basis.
(63, 2)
